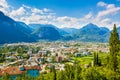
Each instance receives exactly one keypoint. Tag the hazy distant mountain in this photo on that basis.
(103, 30)
(11, 31)
(92, 32)
(36, 26)
(89, 29)
(47, 32)
(118, 29)
(70, 30)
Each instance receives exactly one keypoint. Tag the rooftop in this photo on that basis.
(15, 70)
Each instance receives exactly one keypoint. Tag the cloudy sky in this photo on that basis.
(64, 13)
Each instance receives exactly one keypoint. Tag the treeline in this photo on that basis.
(19, 49)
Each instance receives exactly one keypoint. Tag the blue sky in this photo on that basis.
(64, 13)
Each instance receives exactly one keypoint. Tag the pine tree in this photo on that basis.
(95, 59)
(114, 49)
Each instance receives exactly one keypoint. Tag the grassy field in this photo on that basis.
(83, 60)
(88, 59)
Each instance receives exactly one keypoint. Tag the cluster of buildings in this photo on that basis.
(50, 54)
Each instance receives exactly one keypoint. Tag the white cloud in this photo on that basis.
(36, 11)
(4, 6)
(110, 10)
(106, 20)
(46, 10)
(71, 22)
(103, 17)
(26, 13)
(110, 6)
(64, 19)
(89, 15)
(36, 15)
(25, 6)
(29, 14)
(19, 12)
(101, 4)
(47, 17)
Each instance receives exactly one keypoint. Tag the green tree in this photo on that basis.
(69, 72)
(114, 49)
(41, 77)
(93, 74)
(77, 72)
(25, 77)
(54, 73)
(6, 77)
(97, 61)
(2, 57)
(61, 75)
(49, 76)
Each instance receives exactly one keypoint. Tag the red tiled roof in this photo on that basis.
(15, 70)
(32, 67)
(1, 72)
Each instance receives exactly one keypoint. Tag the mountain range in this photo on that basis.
(46, 32)
(92, 32)
(12, 31)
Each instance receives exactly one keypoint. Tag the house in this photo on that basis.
(31, 59)
(60, 67)
(86, 53)
(42, 53)
(11, 53)
(50, 60)
(59, 59)
(19, 57)
(54, 54)
(41, 60)
(77, 54)
(11, 57)
(30, 53)
(1, 73)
